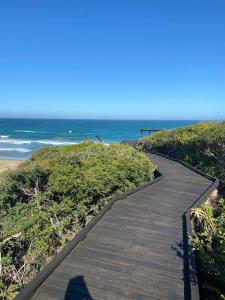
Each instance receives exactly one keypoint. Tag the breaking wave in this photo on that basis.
(26, 131)
(41, 142)
(4, 136)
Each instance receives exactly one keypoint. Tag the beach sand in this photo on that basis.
(7, 164)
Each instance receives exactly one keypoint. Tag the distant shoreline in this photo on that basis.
(9, 164)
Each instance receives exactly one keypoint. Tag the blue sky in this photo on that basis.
(120, 59)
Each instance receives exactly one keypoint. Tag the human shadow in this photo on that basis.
(77, 289)
(183, 251)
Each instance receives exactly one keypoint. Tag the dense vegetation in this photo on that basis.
(48, 199)
(202, 146)
(209, 243)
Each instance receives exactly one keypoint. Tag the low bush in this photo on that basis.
(209, 244)
(48, 199)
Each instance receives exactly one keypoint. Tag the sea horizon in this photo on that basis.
(107, 119)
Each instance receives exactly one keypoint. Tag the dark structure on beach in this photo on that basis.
(149, 130)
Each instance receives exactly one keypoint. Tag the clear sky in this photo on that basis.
(125, 59)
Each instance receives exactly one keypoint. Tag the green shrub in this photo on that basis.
(49, 198)
(209, 243)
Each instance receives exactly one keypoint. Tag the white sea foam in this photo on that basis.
(41, 142)
(37, 131)
(31, 131)
(56, 143)
(25, 131)
(14, 141)
(24, 150)
(4, 136)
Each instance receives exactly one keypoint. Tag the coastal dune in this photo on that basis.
(8, 164)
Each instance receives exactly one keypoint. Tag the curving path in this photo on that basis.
(136, 250)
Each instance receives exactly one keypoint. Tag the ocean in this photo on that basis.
(19, 138)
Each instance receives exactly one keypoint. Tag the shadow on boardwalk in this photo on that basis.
(77, 289)
(189, 274)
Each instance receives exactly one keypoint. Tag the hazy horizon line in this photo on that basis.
(105, 119)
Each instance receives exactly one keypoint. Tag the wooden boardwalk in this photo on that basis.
(136, 250)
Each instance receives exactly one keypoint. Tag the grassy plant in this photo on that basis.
(209, 244)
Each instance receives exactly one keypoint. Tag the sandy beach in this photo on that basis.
(7, 164)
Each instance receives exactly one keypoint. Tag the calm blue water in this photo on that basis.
(20, 137)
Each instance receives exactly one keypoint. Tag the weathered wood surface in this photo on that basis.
(136, 250)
